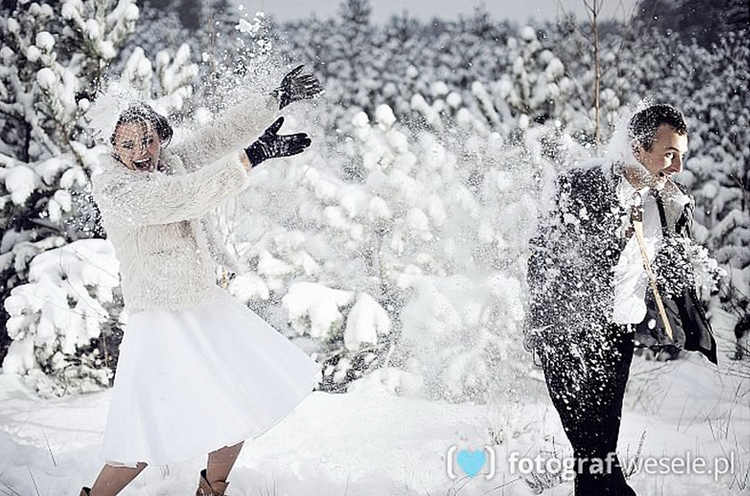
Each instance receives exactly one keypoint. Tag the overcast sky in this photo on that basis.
(518, 11)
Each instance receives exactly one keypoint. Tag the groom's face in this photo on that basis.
(666, 155)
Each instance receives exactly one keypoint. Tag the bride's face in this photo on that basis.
(137, 145)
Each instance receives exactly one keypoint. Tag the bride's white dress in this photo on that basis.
(192, 381)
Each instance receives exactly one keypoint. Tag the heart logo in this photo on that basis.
(471, 462)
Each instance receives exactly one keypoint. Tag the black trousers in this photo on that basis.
(586, 380)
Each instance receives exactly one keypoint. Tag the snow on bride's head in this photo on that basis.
(103, 113)
(119, 117)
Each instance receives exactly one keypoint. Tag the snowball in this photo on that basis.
(202, 116)
(251, 28)
(412, 72)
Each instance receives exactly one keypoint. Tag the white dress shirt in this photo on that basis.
(630, 279)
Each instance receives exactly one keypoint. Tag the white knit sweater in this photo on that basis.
(157, 220)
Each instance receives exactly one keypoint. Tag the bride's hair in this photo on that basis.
(140, 112)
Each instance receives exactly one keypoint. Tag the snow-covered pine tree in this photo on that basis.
(352, 47)
(63, 312)
(719, 175)
(706, 21)
(190, 12)
(416, 228)
(51, 53)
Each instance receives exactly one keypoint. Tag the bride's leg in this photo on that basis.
(220, 462)
(112, 479)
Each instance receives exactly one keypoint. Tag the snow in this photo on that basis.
(59, 310)
(20, 182)
(419, 227)
(13, 25)
(527, 34)
(360, 120)
(5, 54)
(46, 78)
(315, 309)
(251, 28)
(32, 53)
(384, 115)
(45, 41)
(454, 99)
(365, 322)
(386, 439)
(378, 209)
(248, 287)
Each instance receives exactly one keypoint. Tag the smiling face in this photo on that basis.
(137, 145)
(666, 154)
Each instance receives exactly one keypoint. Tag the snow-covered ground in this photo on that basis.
(372, 441)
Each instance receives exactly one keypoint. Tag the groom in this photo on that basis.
(588, 289)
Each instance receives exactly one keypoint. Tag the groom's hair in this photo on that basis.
(643, 125)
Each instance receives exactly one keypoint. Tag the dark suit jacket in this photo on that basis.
(572, 256)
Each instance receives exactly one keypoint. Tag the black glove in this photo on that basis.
(271, 145)
(297, 86)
